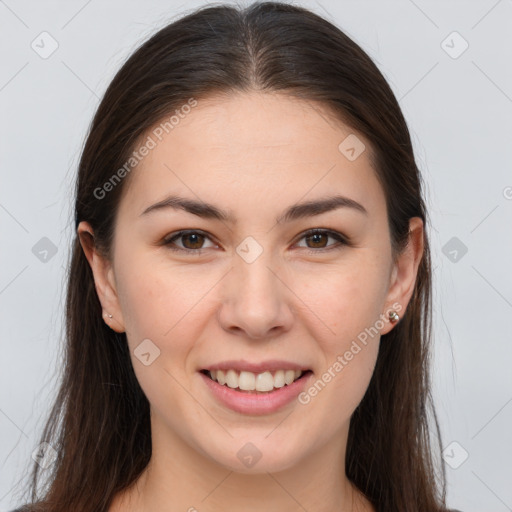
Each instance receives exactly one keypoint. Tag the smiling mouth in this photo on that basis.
(262, 383)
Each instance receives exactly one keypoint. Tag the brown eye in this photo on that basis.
(195, 240)
(192, 241)
(317, 240)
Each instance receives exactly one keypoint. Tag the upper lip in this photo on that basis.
(270, 365)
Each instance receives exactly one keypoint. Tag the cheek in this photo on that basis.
(349, 348)
(149, 303)
(161, 301)
(348, 298)
(163, 304)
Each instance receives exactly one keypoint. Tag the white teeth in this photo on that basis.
(279, 379)
(264, 381)
(221, 377)
(248, 381)
(289, 375)
(232, 379)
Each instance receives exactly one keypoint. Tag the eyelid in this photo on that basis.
(341, 239)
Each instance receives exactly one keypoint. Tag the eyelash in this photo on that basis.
(333, 234)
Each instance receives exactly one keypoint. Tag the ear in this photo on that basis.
(404, 272)
(103, 278)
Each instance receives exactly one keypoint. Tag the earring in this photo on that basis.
(393, 316)
(110, 316)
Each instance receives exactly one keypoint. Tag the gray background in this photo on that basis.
(458, 106)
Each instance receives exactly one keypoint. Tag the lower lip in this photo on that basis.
(256, 403)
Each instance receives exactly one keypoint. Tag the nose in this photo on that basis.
(256, 301)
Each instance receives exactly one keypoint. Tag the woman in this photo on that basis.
(222, 353)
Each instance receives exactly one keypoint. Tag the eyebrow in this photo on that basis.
(294, 212)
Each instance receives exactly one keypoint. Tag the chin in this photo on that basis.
(256, 457)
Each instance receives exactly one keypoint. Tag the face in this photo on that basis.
(254, 290)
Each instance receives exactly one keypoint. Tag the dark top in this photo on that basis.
(22, 509)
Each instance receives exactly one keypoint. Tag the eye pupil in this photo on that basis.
(193, 235)
(317, 237)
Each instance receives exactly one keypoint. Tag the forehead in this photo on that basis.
(253, 147)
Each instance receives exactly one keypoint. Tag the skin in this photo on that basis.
(253, 154)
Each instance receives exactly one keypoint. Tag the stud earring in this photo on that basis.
(393, 316)
(107, 314)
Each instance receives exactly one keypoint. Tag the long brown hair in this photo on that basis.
(99, 424)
